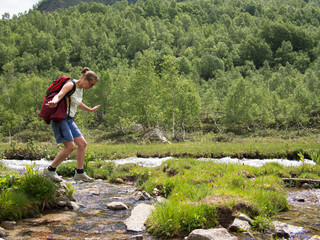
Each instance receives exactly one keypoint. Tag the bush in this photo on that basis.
(37, 187)
(261, 223)
(104, 170)
(15, 205)
(67, 169)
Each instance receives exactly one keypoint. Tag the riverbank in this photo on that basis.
(191, 187)
(227, 146)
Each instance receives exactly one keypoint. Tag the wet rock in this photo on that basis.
(300, 200)
(159, 200)
(306, 186)
(239, 224)
(138, 237)
(2, 232)
(119, 181)
(51, 218)
(138, 196)
(244, 218)
(138, 217)
(89, 191)
(248, 235)
(117, 206)
(211, 234)
(286, 230)
(73, 205)
(8, 225)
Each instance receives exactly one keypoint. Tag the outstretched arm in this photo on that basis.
(86, 108)
(65, 89)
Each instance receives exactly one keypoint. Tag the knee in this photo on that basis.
(82, 144)
(70, 147)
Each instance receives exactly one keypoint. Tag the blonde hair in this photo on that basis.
(89, 75)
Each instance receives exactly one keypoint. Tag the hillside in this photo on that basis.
(52, 5)
(193, 66)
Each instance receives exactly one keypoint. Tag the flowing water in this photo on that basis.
(95, 221)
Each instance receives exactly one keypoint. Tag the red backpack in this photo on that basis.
(58, 113)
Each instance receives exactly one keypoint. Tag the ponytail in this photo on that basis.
(89, 75)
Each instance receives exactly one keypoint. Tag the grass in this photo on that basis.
(24, 195)
(196, 191)
(207, 146)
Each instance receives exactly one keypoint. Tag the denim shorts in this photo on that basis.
(65, 130)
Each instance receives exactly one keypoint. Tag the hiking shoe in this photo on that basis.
(53, 175)
(82, 176)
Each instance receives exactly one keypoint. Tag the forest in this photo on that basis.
(230, 66)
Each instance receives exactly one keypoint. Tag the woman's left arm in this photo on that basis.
(86, 108)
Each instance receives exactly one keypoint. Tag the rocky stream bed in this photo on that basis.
(91, 216)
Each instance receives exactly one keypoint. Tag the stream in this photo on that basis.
(95, 221)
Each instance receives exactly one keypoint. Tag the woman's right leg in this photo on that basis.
(63, 154)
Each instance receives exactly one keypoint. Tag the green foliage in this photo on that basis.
(25, 195)
(37, 186)
(67, 169)
(262, 223)
(179, 65)
(31, 150)
(203, 184)
(176, 218)
(14, 205)
(104, 170)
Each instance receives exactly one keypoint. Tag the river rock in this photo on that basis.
(138, 217)
(51, 218)
(117, 206)
(155, 135)
(8, 224)
(306, 186)
(239, 224)
(138, 196)
(286, 230)
(137, 237)
(211, 234)
(73, 205)
(159, 200)
(2, 232)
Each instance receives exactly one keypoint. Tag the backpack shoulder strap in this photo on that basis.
(68, 95)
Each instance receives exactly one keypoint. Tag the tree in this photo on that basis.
(143, 92)
(256, 50)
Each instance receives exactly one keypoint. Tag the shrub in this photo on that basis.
(261, 223)
(105, 170)
(67, 169)
(37, 187)
(15, 205)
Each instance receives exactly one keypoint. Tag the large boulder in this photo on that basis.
(155, 135)
(139, 216)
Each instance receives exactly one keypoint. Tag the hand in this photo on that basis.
(51, 104)
(95, 108)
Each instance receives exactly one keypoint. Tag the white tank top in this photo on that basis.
(76, 100)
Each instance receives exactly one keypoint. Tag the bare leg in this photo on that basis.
(81, 151)
(63, 154)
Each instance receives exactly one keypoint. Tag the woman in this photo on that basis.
(66, 131)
